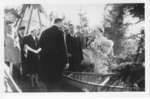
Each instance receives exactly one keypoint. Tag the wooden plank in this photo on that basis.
(92, 86)
(10, 81)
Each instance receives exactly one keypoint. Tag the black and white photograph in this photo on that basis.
(81, 47)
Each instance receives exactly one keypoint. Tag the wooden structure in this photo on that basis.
(9, 83)
(94, 82)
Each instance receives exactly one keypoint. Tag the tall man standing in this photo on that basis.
(53, 54)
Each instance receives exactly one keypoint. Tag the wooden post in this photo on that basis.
(20, 22)
(28, 26)
(19, 18)
(39, 18)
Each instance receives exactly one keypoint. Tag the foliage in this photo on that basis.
(114, 28)
(130, 66)
(83, 21)
(12, 11)
(131, 69)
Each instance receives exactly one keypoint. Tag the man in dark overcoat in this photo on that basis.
(53, 54)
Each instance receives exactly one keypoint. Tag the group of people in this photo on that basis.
(47, 56)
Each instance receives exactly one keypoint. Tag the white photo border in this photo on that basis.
(86, 95)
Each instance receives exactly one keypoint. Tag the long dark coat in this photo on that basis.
(53, 54)
(74, 48)
(32, 58)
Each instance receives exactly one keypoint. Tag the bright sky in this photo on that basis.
(94, 12)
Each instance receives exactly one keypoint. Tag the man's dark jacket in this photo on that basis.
(53, 54)
(74, 48)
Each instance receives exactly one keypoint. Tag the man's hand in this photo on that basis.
(67, 66)
(38, 50)
(69, 55)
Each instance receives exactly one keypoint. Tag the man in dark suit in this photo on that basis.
(77, 55)
(75, 50)
(53, 54)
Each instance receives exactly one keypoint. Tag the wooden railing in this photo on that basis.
(92, 82)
